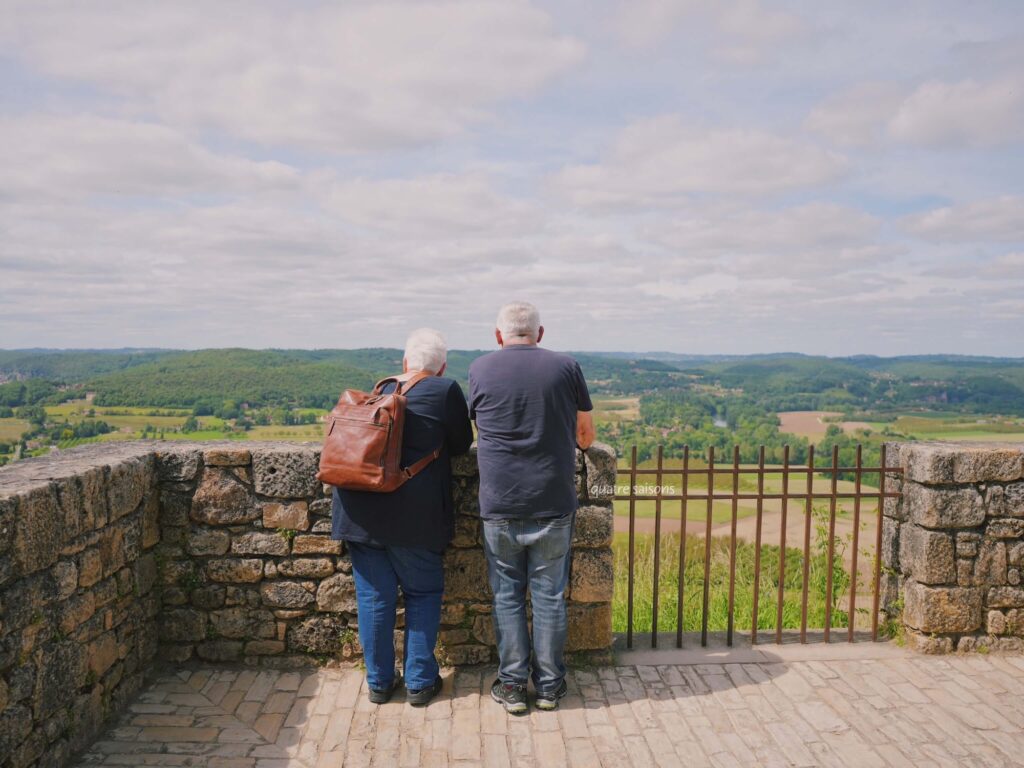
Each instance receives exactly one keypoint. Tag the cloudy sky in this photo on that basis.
(736, 176)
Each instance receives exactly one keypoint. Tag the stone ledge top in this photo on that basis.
(27, 474)
(945, 463)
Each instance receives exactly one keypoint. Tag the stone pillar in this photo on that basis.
(953, 546)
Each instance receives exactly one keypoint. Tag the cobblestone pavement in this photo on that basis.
(920, 711)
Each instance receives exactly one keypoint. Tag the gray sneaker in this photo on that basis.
(512, 696)
(549, 700)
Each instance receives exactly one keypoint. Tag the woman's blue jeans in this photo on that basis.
(379, 572)
(532, 553)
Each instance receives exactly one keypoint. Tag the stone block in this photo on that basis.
(177, 464)
(592, 576)
(256, 543)
(264, 647)
(946, 463)
(943, 507)
(286, 594)
(1015, 553)
(221, 499)
(465, 575)
(465, 465)
(39, 533)
(467, 531)
(235, 570)
(942, 609)
(306, 568)
(8, 514)
(174, 507)
(601, 465)
(1005, 500)
(182, 625)
(337, 593)
(483, 629)
(204, 541)
(238, 622)
(926, 556)
(287, 472)
(102, 653)
(467, 655)
(316, 545)
(226, 457)
(319, 634)
(891, 542)
(128, 482)
(62, 669)
(590, 626)
(220, 650)
(292, 515)
(145, 573)
(1005, 597)
(1005, 529)
(594, 527)
(990, 567)
(209, 597)
(150, 520)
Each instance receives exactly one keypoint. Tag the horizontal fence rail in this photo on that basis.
(796, 494)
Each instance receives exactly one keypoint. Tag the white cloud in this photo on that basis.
(660, 161)
(856, 116)
(807, 227)
(1000, 219)
(61, 156)
(967, 113)
(736, 31)
(338, 77)
(437, 205)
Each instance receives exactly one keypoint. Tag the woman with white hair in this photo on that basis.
(396, 540)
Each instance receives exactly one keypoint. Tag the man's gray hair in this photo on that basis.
(519, 319)
(425, 350)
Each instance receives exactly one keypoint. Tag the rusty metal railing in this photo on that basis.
(733, 495)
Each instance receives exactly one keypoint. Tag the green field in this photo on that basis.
(693, 580)
(944, 426)
(11, 429)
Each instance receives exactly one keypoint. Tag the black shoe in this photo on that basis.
(548, 701)
(422, 696)
(383, 696)
(512, 696)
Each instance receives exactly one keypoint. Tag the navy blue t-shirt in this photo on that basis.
(524, 399)
(419, 513)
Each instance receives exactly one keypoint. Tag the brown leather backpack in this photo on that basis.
(362, 448)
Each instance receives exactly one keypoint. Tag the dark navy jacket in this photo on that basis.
(420, 512)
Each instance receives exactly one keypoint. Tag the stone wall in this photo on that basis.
(953, 546)
(78, 604)
(114, 554)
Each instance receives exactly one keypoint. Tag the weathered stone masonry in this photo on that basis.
(113, 555)
(953, 545)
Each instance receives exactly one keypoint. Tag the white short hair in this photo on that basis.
(519, 319)
(425, 350)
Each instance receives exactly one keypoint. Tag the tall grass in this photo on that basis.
(718, 604)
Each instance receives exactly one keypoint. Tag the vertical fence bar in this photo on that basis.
(830, 560)
(632, 530)
(682, 548)
(707, 547)
(808, 510)
(732, 541)
(878, 545)
(782, 542)
(757, 544)
(856, 543)
(657, 553)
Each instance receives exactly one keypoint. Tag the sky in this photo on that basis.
(731, 177)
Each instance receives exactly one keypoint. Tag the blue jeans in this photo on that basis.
(379, 572)
(534, 553)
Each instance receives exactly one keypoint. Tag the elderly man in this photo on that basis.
(532, 409)
(397, 539)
